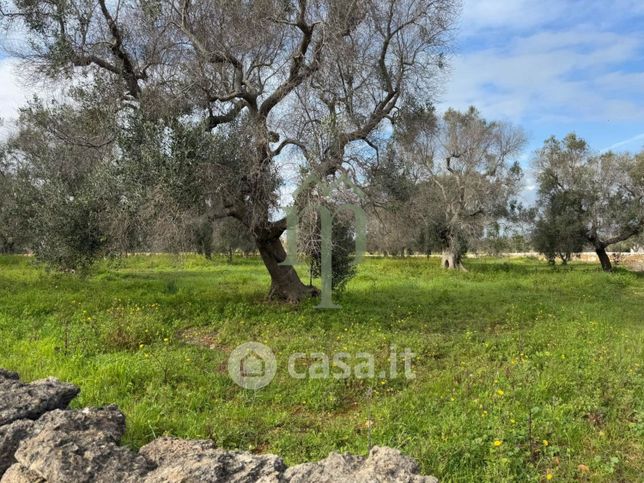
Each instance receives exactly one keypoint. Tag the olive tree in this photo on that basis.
(558, 231)
(317, 76)
(146, 185)
(470, 178)
(603, 193)
(60, 196)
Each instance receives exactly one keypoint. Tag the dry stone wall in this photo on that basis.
(41, 440)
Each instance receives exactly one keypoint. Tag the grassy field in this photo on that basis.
(523, 373)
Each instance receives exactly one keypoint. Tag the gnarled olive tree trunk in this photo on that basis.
(452, 258)
(604, 259)
(285, 282)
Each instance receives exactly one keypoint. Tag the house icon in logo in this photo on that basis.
(252, 365)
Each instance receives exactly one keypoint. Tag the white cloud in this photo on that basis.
(524, 15)
(507, 14)
(562, 75)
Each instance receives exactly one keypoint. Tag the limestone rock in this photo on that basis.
(19, 474)
(10, 437)
(199, 461)
(383, 465)
(42, 442)
(30, 401)
(79, 446)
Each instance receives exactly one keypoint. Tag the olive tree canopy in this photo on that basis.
(318, 78)
(605, 192)
(469, 178)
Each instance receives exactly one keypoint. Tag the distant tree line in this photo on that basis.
(585, 200)
(444, 185)
(179, 122)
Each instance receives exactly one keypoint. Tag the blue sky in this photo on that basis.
(554, 66)
(550, 66)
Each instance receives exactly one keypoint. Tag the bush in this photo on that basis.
(343, 252)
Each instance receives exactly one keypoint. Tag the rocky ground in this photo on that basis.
(43, 441)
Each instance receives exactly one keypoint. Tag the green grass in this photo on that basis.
(513, 352)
